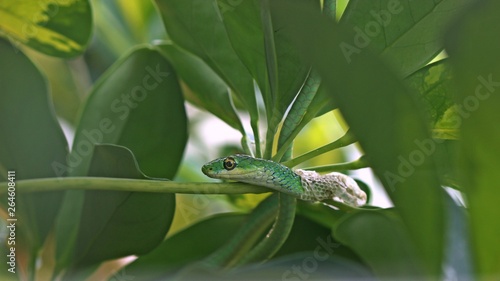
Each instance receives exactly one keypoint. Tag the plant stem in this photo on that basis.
(345, 140)
(120, 184)
(254, 123)
(354, 165)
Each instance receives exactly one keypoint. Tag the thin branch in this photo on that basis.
(354, 165)
(119, 184)
(345, 140)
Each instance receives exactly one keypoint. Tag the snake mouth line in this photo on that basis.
(230, 176)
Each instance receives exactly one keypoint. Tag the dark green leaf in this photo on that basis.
(196, 25)
(206, 89)
(366, 189)
(316, 249)
(386, 120)
(292, 71)
(434, 86)
(244, 29)
(56, 28)
(189, 245)
(137, 104)
(474, 54)
(263, 45)
(406, 33)
(309, 236)
(381, 240)
(447, 162)
(116, 224)
(300, 266)
(31, 142)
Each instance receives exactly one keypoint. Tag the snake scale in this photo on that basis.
(302, 184)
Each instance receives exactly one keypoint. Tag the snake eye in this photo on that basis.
(229, 163)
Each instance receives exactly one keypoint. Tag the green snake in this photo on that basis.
(302, 184)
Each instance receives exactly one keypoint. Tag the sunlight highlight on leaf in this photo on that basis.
(56, 28)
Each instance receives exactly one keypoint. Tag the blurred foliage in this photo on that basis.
(131, 80)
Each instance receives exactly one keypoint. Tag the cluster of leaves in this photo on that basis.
(421, 127)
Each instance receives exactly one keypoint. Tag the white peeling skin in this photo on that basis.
(336, 186)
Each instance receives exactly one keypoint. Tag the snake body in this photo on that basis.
(304, 185)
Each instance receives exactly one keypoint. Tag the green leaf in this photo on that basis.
(196, 26)
(315, 247)
(297, 116)
(474, 54)
(114, 223)
(319, 213)
(66, 85)
(301, 266)
(263, 45)
(291, 69)
(138, 104)
(433, 84)
(405, 33)
(448, 127)
(304, 236)
(386, 119)
(371, 233)
(244, 30)
(309, 236)
(31, 141)
(56, 28)
(446, 156)
(138, 96)
(203, 238)
(206, 89)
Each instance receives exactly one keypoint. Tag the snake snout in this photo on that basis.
(205, 169)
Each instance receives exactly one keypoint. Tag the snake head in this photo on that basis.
(230, 167)
(256, 171)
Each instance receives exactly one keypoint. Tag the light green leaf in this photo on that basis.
(433, 84)
(56, 28)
